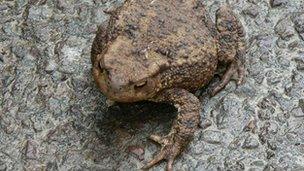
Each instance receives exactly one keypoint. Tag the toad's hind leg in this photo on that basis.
(183, 127)
(232, 45)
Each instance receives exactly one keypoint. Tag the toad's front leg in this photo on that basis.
(232, 45)
(183, 127)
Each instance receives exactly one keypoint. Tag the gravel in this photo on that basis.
(53, 117)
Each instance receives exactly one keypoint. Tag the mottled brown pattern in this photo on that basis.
(162, 51)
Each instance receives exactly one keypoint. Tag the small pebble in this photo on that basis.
(212, 137)
(137, 152)
(250, 143)
(251, 12)
(276, 3)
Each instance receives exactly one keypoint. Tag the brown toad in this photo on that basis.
(163, 51)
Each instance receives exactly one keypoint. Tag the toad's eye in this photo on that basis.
(141, 84)
(101, 66)
(103, 70)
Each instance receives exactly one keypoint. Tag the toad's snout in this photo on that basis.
(113, 81)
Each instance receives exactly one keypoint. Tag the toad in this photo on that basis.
(163, 51)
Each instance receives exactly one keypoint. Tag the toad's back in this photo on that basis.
(179, 30)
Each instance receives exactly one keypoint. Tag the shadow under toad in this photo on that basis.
(124, 128)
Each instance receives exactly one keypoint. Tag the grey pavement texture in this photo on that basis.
(53, 117)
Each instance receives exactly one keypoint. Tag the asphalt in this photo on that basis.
(53, 117)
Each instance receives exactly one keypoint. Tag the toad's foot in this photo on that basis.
(172, 146)
(234, 68)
